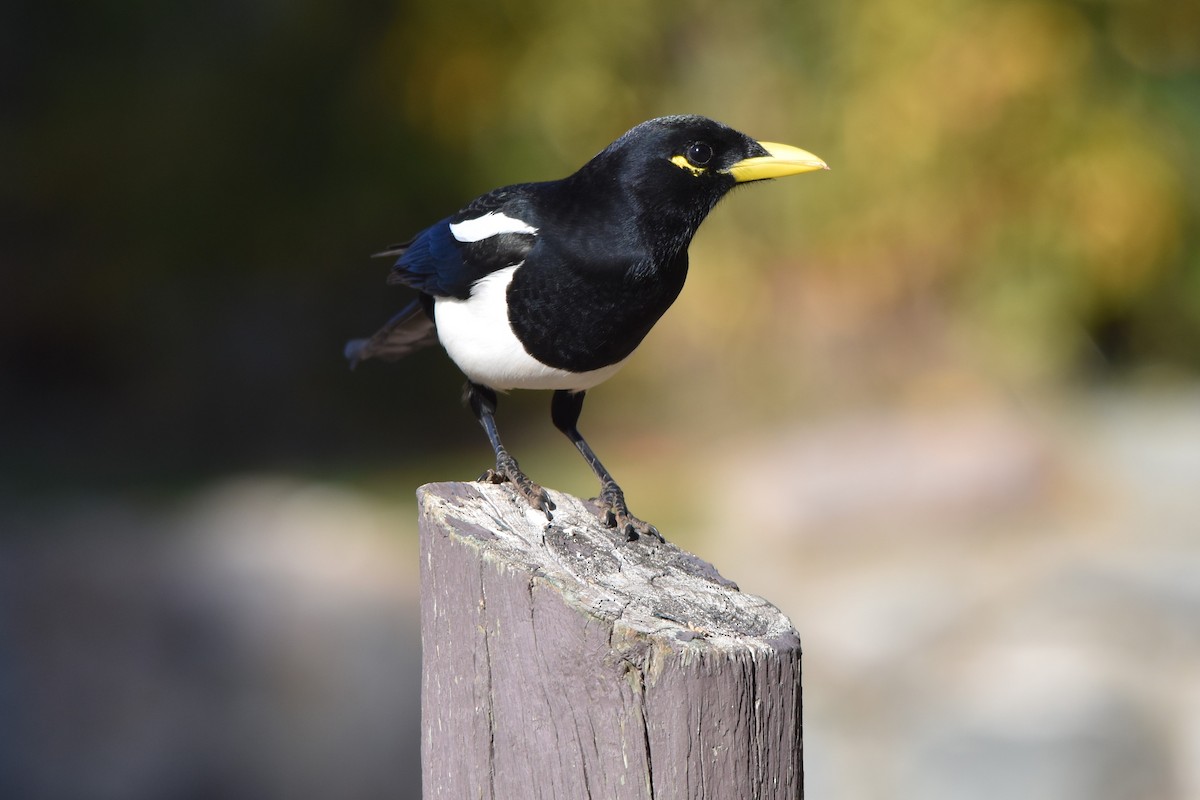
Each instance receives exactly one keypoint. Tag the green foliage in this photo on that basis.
(191, 190)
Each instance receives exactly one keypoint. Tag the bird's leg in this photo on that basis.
(482, 401)
(564, 410)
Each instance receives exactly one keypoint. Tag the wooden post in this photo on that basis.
(561, 662)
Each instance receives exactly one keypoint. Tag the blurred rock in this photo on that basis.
(897, 466)
(262, 644)
(992, 603)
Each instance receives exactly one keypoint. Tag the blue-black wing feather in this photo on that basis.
(437, 264)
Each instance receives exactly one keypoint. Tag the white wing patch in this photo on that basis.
(479, 339)
(491, 224)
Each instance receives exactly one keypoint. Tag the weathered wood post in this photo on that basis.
(561, 662)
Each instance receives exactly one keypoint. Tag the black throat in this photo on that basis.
(582, 315)
(586, 297)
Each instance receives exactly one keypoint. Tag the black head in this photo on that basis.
(688, 163)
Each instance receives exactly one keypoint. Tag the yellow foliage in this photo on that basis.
(999, 164)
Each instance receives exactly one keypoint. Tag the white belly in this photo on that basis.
(479, 339)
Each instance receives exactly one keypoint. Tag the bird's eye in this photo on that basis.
(699, 153)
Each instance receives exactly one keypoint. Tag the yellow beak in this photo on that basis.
(783, 160)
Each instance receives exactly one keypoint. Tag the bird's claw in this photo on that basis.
(536, 496)
(614, 513)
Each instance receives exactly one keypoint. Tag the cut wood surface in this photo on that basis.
(561, 661)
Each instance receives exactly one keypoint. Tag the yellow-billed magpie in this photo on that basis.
(553, 285)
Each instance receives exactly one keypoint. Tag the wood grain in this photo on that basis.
(562, 662)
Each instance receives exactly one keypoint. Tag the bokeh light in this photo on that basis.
(938, 403)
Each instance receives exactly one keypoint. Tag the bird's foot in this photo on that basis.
(507, 470)
(614, 513)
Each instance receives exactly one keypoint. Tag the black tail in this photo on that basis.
(408, 331)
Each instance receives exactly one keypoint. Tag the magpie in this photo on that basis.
(552, 285)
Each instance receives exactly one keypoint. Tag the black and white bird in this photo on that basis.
(553, 285)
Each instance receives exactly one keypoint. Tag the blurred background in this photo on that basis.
(940, 404)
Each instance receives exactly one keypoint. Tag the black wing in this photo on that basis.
(494, 231)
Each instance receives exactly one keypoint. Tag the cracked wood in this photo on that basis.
(562, 662)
